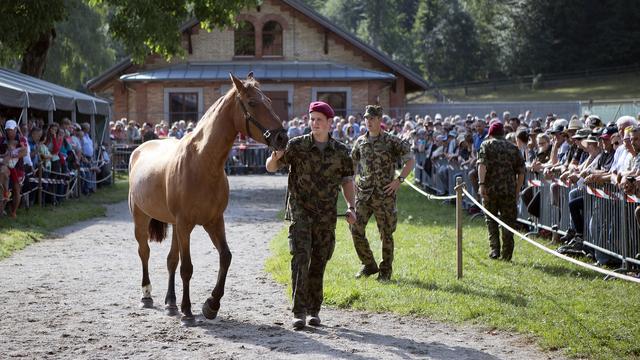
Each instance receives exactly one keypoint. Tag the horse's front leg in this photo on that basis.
(172, 264)
(216, 232)
(186, 269)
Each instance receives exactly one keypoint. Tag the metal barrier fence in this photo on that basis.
(611, 110)
(120, 155)
(610, 225)
(247, 159)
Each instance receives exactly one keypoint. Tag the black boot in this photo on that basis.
(568, 237)
(367, 270)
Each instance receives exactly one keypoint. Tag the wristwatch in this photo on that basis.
(401, 179)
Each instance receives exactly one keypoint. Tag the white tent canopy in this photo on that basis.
(26, 92)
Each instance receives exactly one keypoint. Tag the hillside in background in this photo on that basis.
(614, 87)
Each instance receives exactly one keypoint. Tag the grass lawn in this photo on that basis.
(34, 224)
(560, 305)
(615, 87)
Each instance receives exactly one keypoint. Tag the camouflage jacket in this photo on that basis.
(503, 162)
(378, 160)
(315, 178)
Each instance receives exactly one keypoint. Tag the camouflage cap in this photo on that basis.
(373, 110)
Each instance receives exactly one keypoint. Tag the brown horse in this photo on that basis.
(182, 182)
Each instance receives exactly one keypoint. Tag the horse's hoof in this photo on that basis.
(146, 303)
(171, 310)
(208, 311)
(188, 320)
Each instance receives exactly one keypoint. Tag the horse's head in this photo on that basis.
(258, 114)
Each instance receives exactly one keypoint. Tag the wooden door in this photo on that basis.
(280, 103)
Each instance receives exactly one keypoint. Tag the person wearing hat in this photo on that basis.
(605, 160)
(13, 148)
(500, 177)
(574, 154)
(573, 236)
(376, 155)
(319, 166)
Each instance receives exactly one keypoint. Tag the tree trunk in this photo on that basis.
(34, 58)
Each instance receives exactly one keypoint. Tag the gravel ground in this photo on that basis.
(76, 295)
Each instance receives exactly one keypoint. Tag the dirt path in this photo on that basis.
(76, 296)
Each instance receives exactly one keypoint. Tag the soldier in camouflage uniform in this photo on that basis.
(500, 174)
(378, 153)
(318, 167)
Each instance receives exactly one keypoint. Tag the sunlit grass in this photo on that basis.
(34, 224)
(560, 305)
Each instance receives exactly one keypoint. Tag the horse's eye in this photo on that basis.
(253, 103)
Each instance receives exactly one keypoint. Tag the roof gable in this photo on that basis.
(413, 81)
(405, 71)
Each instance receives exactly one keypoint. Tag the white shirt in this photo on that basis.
(618, 159)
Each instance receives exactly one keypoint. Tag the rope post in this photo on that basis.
(459, 188)
(40, 199)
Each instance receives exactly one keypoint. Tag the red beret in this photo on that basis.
(496, 129)
(322, 107)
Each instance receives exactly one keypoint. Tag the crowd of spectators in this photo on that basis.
(60, 150)
(131, 132)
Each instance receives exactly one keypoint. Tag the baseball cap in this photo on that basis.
(10, 125)
(608, 132)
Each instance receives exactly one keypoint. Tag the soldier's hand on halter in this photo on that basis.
(392, 187)
(351, 216)
(277, 155)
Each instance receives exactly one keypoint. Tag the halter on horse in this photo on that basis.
(182, 182)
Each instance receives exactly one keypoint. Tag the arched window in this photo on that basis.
(272, 39)
(245, 39)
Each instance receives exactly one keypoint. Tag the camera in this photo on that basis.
(631, 179)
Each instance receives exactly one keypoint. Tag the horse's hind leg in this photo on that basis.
(172, 263)
(186, 269)
(141, 223)
(216, 232)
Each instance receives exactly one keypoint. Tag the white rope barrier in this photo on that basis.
(547, 250)
(431, 197)
(532, 242)
(96, 181)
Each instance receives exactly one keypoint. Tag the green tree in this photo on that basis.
(447, 44)
(27, 31)
(76, 56)
(346, 14)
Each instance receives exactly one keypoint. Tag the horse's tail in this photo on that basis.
(157, 230)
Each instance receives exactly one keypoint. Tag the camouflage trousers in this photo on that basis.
(311, 246)
(384, 210)
(506, 208)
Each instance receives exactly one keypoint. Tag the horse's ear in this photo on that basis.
(237, 83)
(250, 76)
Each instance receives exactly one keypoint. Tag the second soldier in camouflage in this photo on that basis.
(376, 155)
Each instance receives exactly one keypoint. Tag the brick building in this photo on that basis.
(298, 56)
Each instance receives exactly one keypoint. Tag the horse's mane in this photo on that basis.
(249, 83)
